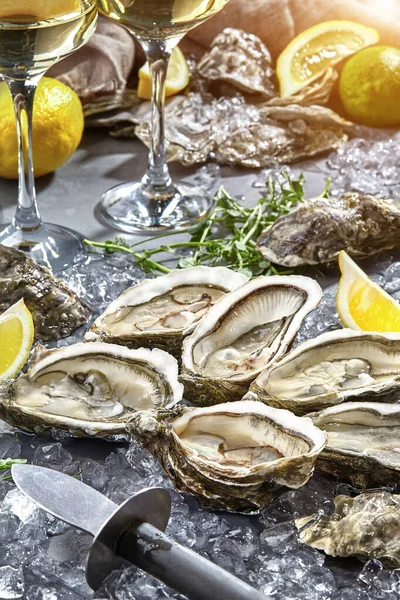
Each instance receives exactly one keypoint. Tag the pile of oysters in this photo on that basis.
(263, 415)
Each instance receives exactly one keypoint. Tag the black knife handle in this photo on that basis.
(182, 569)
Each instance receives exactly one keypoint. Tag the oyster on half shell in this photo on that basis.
(161, 312)
(363, 442)
(242, 334)
(366, 527)
(234, 456)
(332, 368)
(90, 389)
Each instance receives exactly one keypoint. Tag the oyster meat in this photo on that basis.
(365, 527)
(316, 231)
(332, 368)
(242, 334)
(232, 456)
(161, 312)
(56, 310)
(363, 442)
(91, 389)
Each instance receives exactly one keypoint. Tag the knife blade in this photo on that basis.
(129, 533)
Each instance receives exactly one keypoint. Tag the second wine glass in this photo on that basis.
(156, 203)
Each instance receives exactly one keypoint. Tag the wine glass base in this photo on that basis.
(129, 208)
(51, 245)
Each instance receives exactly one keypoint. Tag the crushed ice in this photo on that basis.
(42, 558)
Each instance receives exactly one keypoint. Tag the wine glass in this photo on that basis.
(35, 34)
(156, 203)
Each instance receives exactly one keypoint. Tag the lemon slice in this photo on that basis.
(16, 339)
(316, 49)
(177, 76)
(361, 303)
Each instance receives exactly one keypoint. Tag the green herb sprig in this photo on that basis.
(6, 463)
(228, 237)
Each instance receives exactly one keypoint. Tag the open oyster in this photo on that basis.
(91, 389)
(242, 334)
(365, 527)
(334, 367)
(161, 312)
(232, 456)
(363, 442)
(316, 231)
(56, 310)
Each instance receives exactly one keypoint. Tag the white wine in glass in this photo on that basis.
(34, 35)
(156, 203)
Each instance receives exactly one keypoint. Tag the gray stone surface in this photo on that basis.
(69, 196)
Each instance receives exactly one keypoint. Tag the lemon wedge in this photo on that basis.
(361, 303)
(316, 49)
(16, 339)
(177, 76)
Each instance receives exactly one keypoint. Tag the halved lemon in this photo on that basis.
(16, 339)
(316, 49)
(361, 303)
(177, 76)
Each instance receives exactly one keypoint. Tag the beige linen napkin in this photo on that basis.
(99, 71)
(277, 22)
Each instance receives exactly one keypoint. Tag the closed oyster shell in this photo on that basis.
(316, 231)
(365, 527)
(161, 312)
(90, 389)
(241, 59)
(233, 457)
(335, 367)
(56, 310)
(363, 442)
(233, 132)
(242, 334)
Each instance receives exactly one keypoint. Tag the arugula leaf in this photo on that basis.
(228, 236)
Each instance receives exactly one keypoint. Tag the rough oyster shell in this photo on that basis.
(90, 389)
(232, 456)
(365, 527)
(242, 334)
(233, 132)
(55, 309)
(241, 59)
(161, 312)
(316, 231)
(363, 442)
(332, 368)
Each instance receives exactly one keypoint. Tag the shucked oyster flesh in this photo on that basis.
(332, 368)
(91, 389)
(242, 334)
(55, 309)
(232, 456)
(365, 527)
(363, 442)
(316, 231)
(161, 312)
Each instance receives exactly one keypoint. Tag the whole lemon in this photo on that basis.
(369, 86)
(58, 124)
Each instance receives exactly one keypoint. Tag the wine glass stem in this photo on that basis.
(27, 215)
(158, 54)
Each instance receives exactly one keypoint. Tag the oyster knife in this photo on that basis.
(132, 532)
